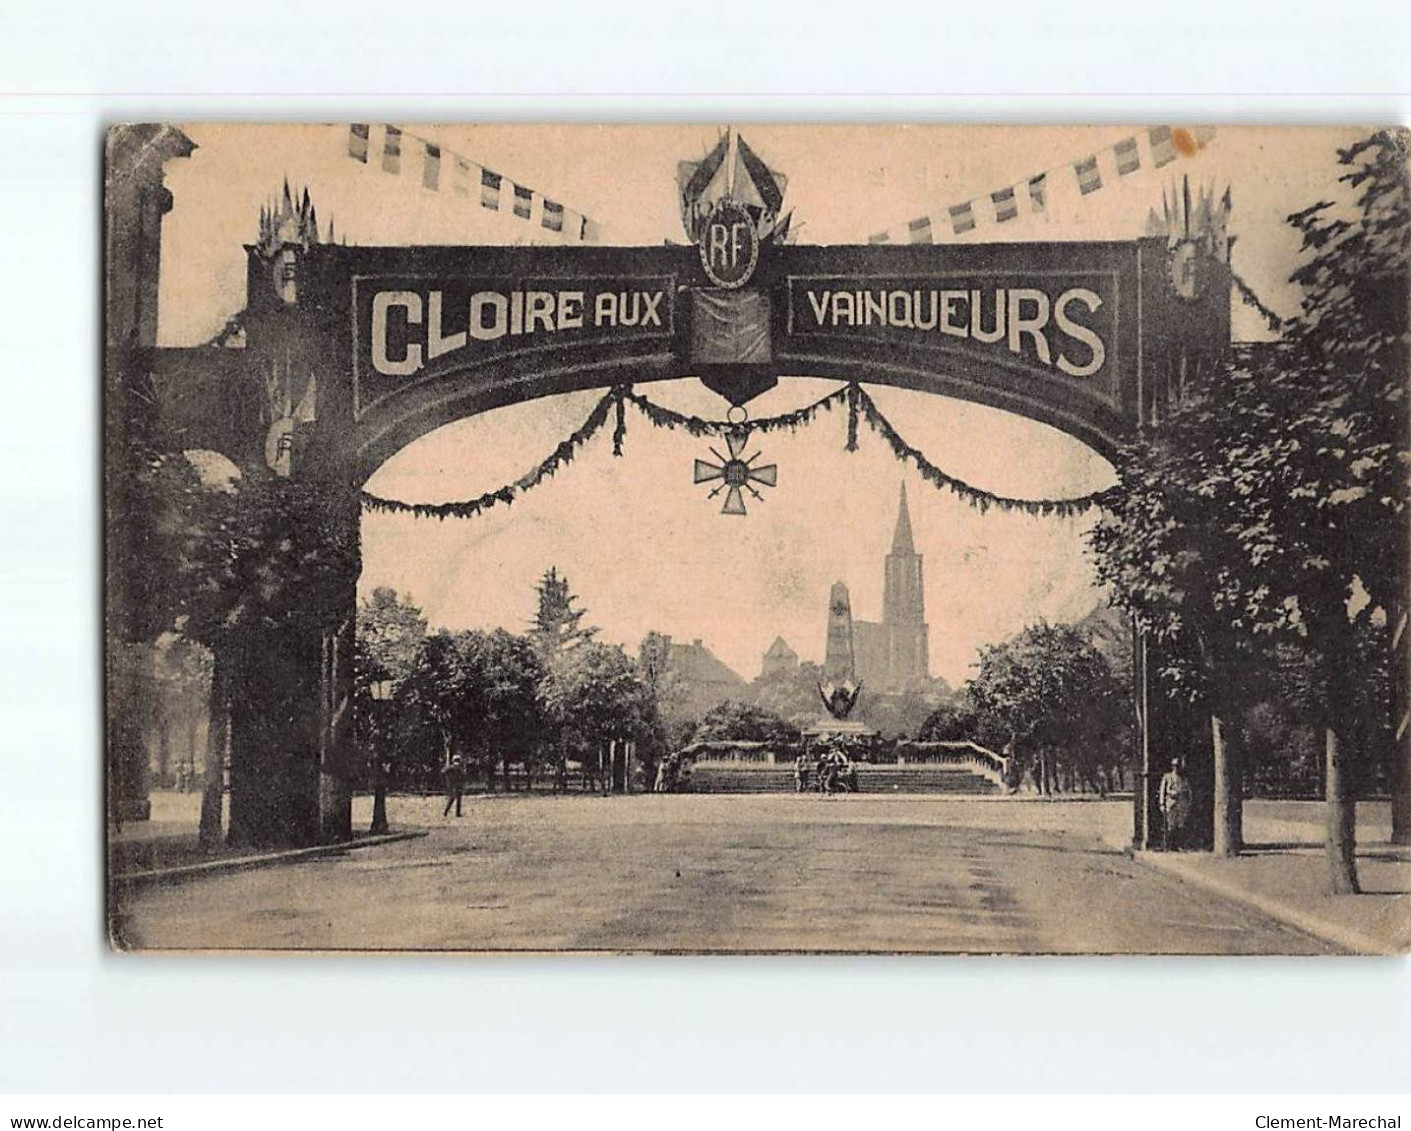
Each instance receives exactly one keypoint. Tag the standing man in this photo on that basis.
(801, 772)
(454, 775)
(1174, 799)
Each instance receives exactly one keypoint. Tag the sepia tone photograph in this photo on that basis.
(758, 539)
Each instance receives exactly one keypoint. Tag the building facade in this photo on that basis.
(779, 660)
(690, 678)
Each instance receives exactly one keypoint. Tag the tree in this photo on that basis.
(1052, 694)
(791, 693)
(434, 695)
(1271, 508)
(594, 696)
(558, 626)
(507, 671)
(390, 630)
(734, 721)
(950, 722)
(1174, 550)
(1347, 494)
(270, 556)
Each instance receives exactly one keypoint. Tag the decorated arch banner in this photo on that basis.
(407, 339)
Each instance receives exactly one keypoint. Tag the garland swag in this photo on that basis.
(859, 406)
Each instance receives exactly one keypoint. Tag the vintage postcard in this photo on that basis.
(762, 539)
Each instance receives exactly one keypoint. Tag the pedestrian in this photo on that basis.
(660, 785)
(454, 775)
(1174, 799)
(801, 772)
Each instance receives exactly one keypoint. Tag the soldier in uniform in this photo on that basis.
(1174, 799)
(454, 775)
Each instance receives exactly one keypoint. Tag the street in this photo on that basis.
(780, 873)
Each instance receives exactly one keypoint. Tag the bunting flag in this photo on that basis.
(557, 218)
(859, 406)
(1038, 192)
(1128, 161)
(357, 142)
(460, 178)
(1089, 179)
(392, 151)
(490, 190)
(431, 166)
(1165, 144)
(919, 230)
(1163, 150)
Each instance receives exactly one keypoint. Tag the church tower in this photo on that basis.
(904, 607)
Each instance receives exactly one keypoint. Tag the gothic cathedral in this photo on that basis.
(892, 656)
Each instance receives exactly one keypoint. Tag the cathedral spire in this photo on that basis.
(902, 542)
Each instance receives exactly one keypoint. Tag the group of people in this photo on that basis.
(831, 772)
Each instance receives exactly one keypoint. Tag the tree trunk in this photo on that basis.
(1228, 790)
(217, 734)
(1341, 816)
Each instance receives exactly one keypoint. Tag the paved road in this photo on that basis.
(722, 873)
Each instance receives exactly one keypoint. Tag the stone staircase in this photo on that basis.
(729, 777)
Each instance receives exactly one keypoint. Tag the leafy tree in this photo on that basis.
(1345, 497)
(434, 697)
(1175, 551)
(791, 693)
(271, 555)
(1052, 694)
(950, 722)
(390, 631)
(734, 721)
(594, 695)
(507, 672)
(1272, 506)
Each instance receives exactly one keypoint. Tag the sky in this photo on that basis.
(642, 547)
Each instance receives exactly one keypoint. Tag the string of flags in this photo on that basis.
(443, 168)
(1163, 144)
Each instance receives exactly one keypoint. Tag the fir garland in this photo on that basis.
(561, 456)
(1272, 320)
(859, 406)
(662, 417)
(980, 500)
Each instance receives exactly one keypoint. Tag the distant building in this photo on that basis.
(893, 655)
(779, 660)
(690, 678)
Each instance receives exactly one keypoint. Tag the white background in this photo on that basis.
(74, 1018)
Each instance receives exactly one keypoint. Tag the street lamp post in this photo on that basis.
(381, 691)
